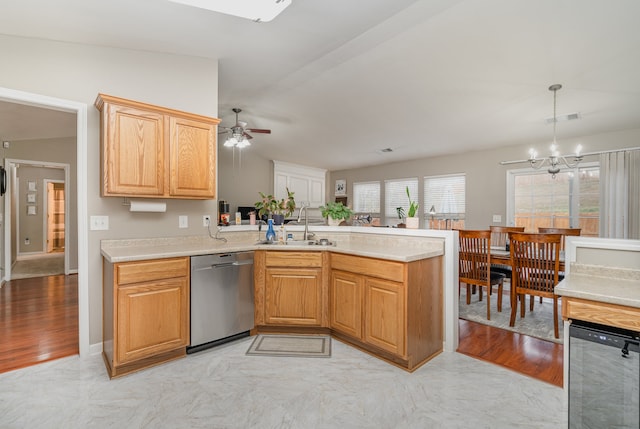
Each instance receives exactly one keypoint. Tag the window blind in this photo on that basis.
(395, 195)
(366, 197)
(446, 194)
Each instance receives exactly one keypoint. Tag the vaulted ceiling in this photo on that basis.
(338, 81)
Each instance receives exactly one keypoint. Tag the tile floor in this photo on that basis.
(224, 388)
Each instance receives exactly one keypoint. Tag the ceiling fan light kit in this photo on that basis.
(239, 137)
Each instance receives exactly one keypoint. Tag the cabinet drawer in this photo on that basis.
(601, 312)
(293, 259)
(389, 270)
(157, 269)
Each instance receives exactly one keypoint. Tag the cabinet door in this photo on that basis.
(152, 318)
(193, 151)
(385, 319)
(346, 303)
(293, 296)
(133, 152)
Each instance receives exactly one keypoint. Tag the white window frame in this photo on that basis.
(510, 177)
(355, 198)
(440, 216)
(392, 218)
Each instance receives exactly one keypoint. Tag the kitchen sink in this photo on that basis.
(320, 242)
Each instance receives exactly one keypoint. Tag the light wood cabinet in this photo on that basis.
(146, 313)
(346, 295)
(155, 152)
(384, 315)
(290, 289)
(400, 306)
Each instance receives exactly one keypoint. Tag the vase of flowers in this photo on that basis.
(276, 209)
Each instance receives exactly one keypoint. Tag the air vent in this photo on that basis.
(386, 150)
(562, 118)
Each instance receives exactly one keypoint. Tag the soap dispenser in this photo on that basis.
(271, 234)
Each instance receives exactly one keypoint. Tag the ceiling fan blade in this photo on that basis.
(248, 136)
(224, 131)
(259, 131)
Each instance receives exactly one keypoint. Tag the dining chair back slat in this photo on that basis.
(474, 265)
(536, 262)
(575, 232)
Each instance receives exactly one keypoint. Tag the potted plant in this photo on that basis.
(336, 213)
(277, 210)
(412, 220)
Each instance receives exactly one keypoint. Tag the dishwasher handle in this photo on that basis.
(226, 264)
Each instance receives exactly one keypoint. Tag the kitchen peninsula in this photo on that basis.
(377, 269)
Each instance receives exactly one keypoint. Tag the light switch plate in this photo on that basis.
(497, 218)
(183, 221)
(99, 223)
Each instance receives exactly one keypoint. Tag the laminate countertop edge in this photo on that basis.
(611, 290)
(115, 254)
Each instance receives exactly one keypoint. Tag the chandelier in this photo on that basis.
(554, 160)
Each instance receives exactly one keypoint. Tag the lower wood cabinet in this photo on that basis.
(291, 289)
(390, 309)
(146, 313)
(293, 296)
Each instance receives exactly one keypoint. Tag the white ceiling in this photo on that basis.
(338, 80)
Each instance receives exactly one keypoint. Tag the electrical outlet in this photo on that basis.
(183, 221)
(99, 223)
(206, 220)
(497, 218)
(27, 241)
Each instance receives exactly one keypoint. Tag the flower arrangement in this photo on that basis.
(269, 205)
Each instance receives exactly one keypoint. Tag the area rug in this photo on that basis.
(291, 345)
(49, 265)
(538, 323)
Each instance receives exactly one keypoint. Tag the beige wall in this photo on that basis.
(78, 73)
(485, 178)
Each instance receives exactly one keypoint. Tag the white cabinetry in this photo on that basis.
(308, 183)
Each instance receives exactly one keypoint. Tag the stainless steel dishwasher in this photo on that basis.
(221, 298)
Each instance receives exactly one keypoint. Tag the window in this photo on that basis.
(571, 200)
(395, 195)
(446, 195)
(366, 197)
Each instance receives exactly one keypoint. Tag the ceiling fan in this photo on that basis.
(239, 136)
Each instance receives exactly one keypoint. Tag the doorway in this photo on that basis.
(55, 219)
(80, 110)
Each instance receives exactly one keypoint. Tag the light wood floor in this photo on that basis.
(38, 320)
(527, 355)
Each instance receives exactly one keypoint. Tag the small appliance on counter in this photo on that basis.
(223, 213)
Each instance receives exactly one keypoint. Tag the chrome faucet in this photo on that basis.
(260, 223)
(306, 235)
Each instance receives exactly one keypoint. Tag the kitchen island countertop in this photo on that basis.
(402, 248)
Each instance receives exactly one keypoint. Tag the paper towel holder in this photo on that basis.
(144, 206)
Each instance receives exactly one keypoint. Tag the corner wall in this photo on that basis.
(78, 73)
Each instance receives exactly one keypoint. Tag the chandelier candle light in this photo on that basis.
(555, 158)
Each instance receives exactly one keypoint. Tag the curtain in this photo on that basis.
(620, 194)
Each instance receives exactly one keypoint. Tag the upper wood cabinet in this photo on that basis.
(155, 152)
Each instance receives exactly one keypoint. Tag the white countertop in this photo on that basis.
(402, 246)
(612, 286)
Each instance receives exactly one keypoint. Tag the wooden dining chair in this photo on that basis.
(562, 231)
(536, 262)
(500, 238)
(475, 266)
